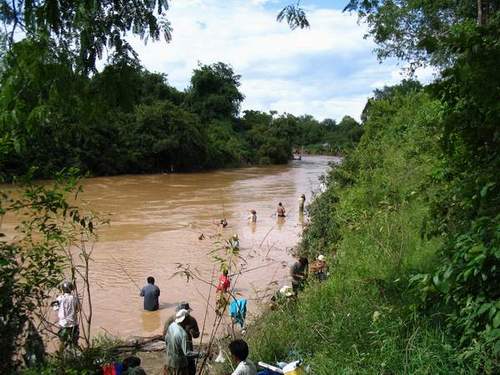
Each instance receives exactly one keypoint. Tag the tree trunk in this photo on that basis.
(483, 7)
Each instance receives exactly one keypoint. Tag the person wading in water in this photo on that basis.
(280, 211)
(302, 201)
(151, 294)
(253, 216)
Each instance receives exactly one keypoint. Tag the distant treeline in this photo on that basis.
(126, 119)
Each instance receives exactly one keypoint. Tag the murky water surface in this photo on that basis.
(156, 221)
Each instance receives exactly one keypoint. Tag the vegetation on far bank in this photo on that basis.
(125, 119)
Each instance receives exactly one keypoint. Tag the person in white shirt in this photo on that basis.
(239, 353)
(67, 306)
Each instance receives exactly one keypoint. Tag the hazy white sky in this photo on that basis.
(328, 70)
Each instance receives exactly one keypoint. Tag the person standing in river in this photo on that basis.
(253, 216)
(302, 201)
(151, 294)
(280, 211)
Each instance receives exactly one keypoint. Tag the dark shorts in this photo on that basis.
(69, 335)
(192, 366)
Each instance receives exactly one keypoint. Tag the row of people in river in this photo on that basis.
(299, 273)
(280, 212)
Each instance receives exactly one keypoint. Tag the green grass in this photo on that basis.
(366, 319)
(363, 319)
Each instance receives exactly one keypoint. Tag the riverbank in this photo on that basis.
(368, 317)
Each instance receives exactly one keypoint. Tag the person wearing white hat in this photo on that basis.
(234, 242)
(178, 352)
(190, 325)
(286, 291)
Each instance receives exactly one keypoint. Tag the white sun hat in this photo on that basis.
(287, 291)
(181, 315)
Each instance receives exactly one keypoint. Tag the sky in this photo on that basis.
(328, 70)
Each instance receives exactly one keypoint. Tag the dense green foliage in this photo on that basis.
(58, 111)
(33, 264)
(84, 29)
(128, 120)
(364, 319)
(412, 216)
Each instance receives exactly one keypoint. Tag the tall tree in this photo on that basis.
(86, 28)
(214, 92)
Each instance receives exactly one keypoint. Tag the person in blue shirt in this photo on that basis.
(151, 294)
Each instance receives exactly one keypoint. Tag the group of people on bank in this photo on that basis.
(179, 331)
(181, 328)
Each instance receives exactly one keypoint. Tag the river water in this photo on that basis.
(156, 221)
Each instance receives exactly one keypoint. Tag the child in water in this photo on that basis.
(253, 216)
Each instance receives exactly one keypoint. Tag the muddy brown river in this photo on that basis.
(156, 221)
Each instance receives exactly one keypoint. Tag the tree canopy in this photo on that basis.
(86, 28)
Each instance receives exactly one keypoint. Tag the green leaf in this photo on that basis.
(485, 189)
(496, 320)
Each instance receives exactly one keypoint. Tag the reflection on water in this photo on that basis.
(151, 321)
(156, 223)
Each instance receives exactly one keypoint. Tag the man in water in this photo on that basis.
(302, 201)
(178, 352)
(239, 353)
(151, 294)
(191, 327)
(253, 216)
(299, 274)
(280, 210)
(67, 306)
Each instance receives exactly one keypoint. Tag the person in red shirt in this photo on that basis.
(222, 289)
(224, 282)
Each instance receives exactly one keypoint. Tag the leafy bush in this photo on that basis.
(367, 317)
